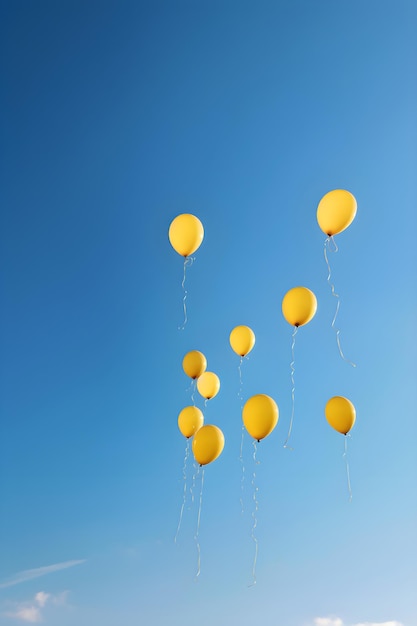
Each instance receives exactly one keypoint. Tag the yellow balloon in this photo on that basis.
(208, 444)
(341, 414)
(336, 211)
(260, 416)
(186, 233)
(242, 340)
(194, 364)
(299, 306)
(208, 385)
(190, 420)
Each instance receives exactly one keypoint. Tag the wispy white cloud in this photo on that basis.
(33, 611)
(29, 574)
(26, 614)
(41, 598)
(394, 623)
(337, 621)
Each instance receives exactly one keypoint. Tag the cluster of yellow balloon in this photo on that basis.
(190, 419)
(186, 234)
(335, 212)
(207, 440)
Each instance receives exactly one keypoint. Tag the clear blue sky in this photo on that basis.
(116, 117)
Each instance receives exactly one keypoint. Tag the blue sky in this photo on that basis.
(116, 117)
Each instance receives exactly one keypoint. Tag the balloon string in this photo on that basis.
(292, 366)
(194, 387)
(240, 396)
(188, 261)
(184, 495)
(242, 479)
(327, 243)
(347, 468)
(192, 488)
(254, 514)
(198, 526)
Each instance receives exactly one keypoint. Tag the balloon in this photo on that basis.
(194, 363)
(190, 420)
(299, 305)
(242, 340)
(336, 211)
(260, 416)
(208, 385)
(208, 444)
(186, 233)
(341, 414)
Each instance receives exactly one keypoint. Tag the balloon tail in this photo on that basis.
(196, 536)
(184, 495)
(347, 469)
(254, 515)
(327, 245)
(192, 488)
(242, 480)
(193, 387)
(240, 395)
(188, 261)
(292, 366)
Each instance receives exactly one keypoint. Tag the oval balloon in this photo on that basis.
(194, 363)
(299, 306)
(208, 385)
(242, 340)
(190, 420)
(340, 414)
(186, 233)
(336, 211)
(260, 416)
(208, 444)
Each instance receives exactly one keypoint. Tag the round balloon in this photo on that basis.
(336, 211)
(340, 414)
(260, 416)
(242, 340)
(186, 233)
(208, 385)
(208, 444)
(190, 420)
(194, 363)
(299, 306)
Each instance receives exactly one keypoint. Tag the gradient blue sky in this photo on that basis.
(117, 116)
